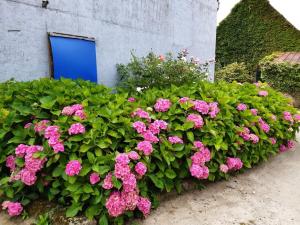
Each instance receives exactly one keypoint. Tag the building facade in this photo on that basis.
(118, 27)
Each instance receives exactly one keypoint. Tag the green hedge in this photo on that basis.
(234, 72)
(253, 30)
(231, 137)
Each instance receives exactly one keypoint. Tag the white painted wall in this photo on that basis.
(119, 26)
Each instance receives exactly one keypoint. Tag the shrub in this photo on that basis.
(121, 153)
(160, 71)
(253, 30)
(234, 72)
(282, 76)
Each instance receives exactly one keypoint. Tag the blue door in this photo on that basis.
(73, 57)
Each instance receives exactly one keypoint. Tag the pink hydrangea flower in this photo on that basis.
(129, 182)
(140, 168)
(149, 136)
(27, 177)
(287, 116)
(21, 150)
(198, 159)
(201, 106)
(254, 112)
(122, 159)
(213, 109)
(121, 170)
(11, 163)
(107, 183)
(272, 140)
(76, 128)
(196, 119)
(263, 125)
(52, 132)
(141, 114)
(290, 144)
(273, 117)
(224, 168)
(234, 163)
(115, 204)
(68, 111)
(175, 140)
(77, 107)
(158, 125)
(33, 164)
(184, 100)
(144, 205)
(130, 199)
(41, 126)
(199, 145)
(254, 138)
(162, 105)
(145, 147)
(283, 148)
(131, 99)
(73, 168)
(241, 107)
(28, 125)
(206, 153)
(200, 172)
(263, 93)
(13, 208)
(81, 114)
(94, 178)
(58, 147)
(133, 155)
(139, 126)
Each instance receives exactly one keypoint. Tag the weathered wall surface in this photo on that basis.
(118, 26)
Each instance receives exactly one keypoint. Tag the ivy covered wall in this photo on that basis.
(253, 30)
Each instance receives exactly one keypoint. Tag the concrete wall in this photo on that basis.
(119, 26)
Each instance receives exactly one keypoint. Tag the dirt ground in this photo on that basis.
(266, 195)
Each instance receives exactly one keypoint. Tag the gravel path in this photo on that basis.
(266, 195)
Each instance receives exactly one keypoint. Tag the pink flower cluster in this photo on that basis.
(241, 107)
(184, 100)
(13, 208)
(201, 106)
(76, 110)
(198, 168)
(76, 128)
(73, 168)
(139, 126)
(223, 168)
(131, 99)
(145, 147)
(94, 178)
(41, 126)
(157, 126)
(263, 93)
(11, 163)
(128, 199)
(213, 109)
(297, 118)
(53, 136)
(287, 116)
(273, 140)
(290, 144)
(175, 140)
(162, 105)
(141, 114)
(32, 165)
(263, 125)
(196, 119)
(234, 164)
(254, 112)
(247, 136)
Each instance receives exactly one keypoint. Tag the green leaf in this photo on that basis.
(92, 211)
(57, 171)
(101, 169)
(170, 173)
(73, 210)
(47, 102)
(116, 182)
(103, 220)
(157, 182)
(190, 136)
(188, 125)
(87, 188)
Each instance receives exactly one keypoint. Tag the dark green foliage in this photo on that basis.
(234, 72)
(253, 30)
(282, 76)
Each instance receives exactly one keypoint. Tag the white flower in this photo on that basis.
(139, 89)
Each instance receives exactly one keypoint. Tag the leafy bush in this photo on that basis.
(234, 72)
(204, 130)
(253, 30)
(160, 71)
(283, 76)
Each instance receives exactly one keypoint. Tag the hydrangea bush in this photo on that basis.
(107, 155)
